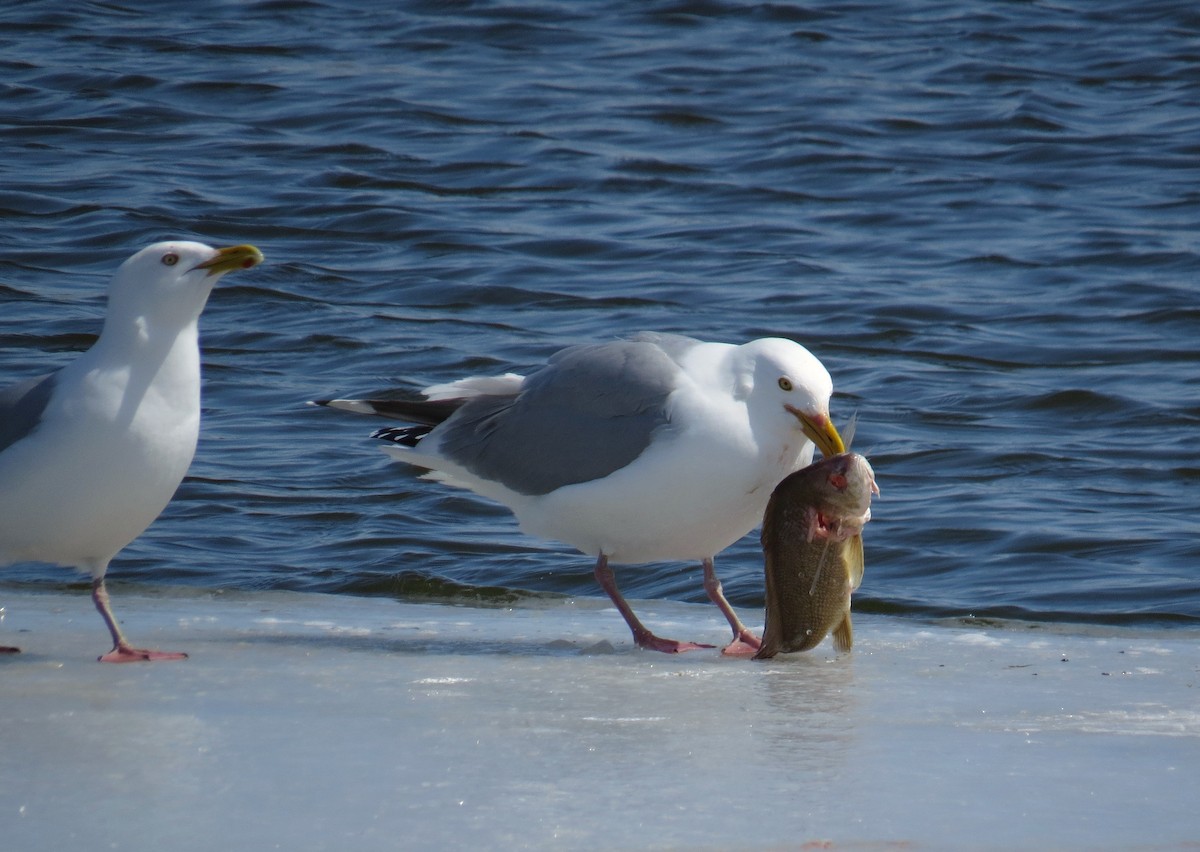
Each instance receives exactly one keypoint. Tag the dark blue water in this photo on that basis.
(983, 217)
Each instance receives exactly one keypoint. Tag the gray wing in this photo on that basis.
(21, 408)
(589, 412)
(673, 345)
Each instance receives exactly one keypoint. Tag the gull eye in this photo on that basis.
(785, 383)
(170, 259)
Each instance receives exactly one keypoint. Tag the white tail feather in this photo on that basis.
(358, 406)
(475, 386)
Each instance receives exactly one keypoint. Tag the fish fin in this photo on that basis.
(856, 562)
(812, 589)
(811, 523)
(768, 649)
(771, 629)
(849, 429)
(843, 634)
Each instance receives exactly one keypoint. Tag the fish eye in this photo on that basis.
(170, 259)
(838, 481)
(785, 383)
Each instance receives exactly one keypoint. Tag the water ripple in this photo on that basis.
(981, 217)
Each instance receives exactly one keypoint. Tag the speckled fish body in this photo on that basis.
(812, 544)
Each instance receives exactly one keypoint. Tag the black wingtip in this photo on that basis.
(405, 436)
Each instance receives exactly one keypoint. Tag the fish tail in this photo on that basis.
(843, 634)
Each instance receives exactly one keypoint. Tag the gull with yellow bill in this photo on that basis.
(91, 454)
(657, 447)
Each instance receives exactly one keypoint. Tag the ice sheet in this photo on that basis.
(309, 722)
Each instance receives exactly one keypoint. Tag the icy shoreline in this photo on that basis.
(308, 722)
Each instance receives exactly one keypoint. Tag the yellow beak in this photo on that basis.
(230, 258)
(820, 430)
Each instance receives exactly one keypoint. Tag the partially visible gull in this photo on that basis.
(91, 454)
(659, 447)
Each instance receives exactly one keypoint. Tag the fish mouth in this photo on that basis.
(231, 258)
(820, 430)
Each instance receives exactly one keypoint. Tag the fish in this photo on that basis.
(813, 553)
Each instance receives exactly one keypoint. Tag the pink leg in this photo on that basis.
(122, 652)
(642, 637)
(744, 641)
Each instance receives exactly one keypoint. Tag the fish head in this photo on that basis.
(848, 483)
(836, 493)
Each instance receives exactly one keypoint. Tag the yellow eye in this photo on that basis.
(785, 383)
(170, 259)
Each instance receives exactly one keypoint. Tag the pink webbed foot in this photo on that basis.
(126, 654)
(651, 642)
(122, 651)
(744, 644)
(642, 636)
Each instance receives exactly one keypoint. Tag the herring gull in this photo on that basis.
(656, 447)
(91, 454)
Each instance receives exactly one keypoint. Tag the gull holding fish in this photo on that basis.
(657, 447)
(91, 454)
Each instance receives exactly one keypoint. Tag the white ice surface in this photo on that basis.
(310, 722)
